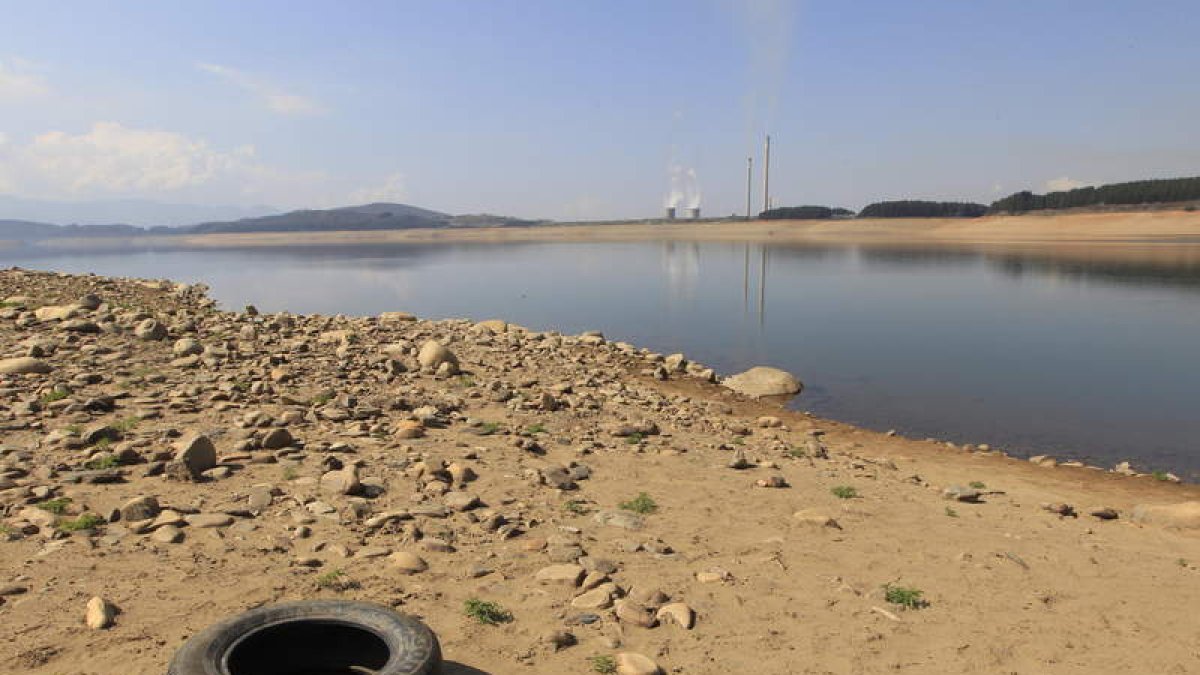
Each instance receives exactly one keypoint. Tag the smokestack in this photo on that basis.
(694, 212)
(767, 174)
(670, 213)
(749, 180)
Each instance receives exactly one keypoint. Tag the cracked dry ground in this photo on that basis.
(185, 464)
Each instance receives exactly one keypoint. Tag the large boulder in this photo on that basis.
(1184, 515)
(151, 330)
(764, 381)
(433, 354)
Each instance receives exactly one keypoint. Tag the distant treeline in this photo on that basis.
(922, 209)
(1136, 192)
(805, 213)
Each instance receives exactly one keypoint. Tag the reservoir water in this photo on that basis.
(1074, 357)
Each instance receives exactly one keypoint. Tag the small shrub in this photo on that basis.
(538, 428)
(107, 462)
(464, 381)
(978, 485)
(951, 512)
(102, 444)
(738, 440)
(334, 579)
(798, 453)
(907, 597)
(127, 424)
(75, 429)
(634, 438)
(321, 399)
(484, 612)
(88, 521)
(1161, 475)
(56, 506)
(575, 506)
(603, 664)
(642, 504)
(844, 492)
(51, 397)
(290, 473)
(488, 428)
(1182, 562)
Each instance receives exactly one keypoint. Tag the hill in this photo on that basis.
(1163, 191)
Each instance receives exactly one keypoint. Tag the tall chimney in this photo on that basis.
(767, 174)
(749, 181)
(670, 213)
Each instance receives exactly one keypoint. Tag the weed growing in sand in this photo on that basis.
(102, 444)
(290, 473)
(321, 399)
(603, 664)
(951, 512)
(907, 597)
(642, 504)
(634, 438)
(74, 429)
(106, 462)
(844, 492)
(978, 485)
(575, 506)
(489, 613)
(56, 506)
(798, 453)
(488, 428)
(464, 381)
(335, 580)
(1161, 475)
(88, 521)
(738, 440)
(538, 428)
(126, 424)
(1182, 562)
(51, 397)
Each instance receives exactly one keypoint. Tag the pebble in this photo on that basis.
(168, 534)
(205, 520)
(630, 663)
(100, 613)
(678, 613)
(566, 575)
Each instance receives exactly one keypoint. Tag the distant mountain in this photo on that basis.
(379, 216)
(25, 230)
(141, 212)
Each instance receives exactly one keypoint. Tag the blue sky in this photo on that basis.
(580, 109)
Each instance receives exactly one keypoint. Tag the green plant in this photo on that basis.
(240, 386)
(844, 492)
(290, 473)
(331, 579)
(634, 438)
(106, 462)
(488, 428)
(88, 521)
(951, 512)
(126, 424)
(1182, 562)
(575, 506)
(642, 503)
(464, 381)
(103, 443)
(56, 506)
(798, 453)
(907, 597)
(978, 485)
(1161, 475)
(489, 613)
(51, 397)
(603, 664)
(320, 399)
(739, 440)
(538, 428)
(75, 429)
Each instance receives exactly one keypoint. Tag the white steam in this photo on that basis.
(685, 188)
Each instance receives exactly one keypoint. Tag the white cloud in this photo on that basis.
(3, 138)
(1063, 184)
(18, 81)
(393, 189)
(272, 96)
(112, 160)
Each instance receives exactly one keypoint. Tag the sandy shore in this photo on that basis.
(340, 458)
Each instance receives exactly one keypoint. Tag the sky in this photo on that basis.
(588, 109)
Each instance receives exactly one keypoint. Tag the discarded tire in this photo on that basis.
(315, 637)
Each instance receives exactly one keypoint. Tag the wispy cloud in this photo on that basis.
(274, 97)
(18, 80)
(394, 188)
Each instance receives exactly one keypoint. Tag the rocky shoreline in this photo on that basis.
(547, 503)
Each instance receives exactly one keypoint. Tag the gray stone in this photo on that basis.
(24, 365)
(197, 454)
(764, 381)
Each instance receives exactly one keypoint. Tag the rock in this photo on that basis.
(1104, 513)
(769, 422)
(1044, 460)
(764, 381)
(342, 482)
(678, 613)
(150, 330)
(168, 535)
(772, 482)
(24, 365)
(55, 312)
(559, 639)
(739, 461)
(99, 432)
(1124, 469)
(100, 613)
(621, 519)
(277, 439)
(205, 520)
(1059, 508)
(635, 614)
(396, 317)
(409, 429)
(139, 508)
(407, 563)
(494, 326)
(1183, 515)
(565, 575)
(630, 663)
(962, 493)
(816, 518)
(433, 354)
(187, 347)
(197, 454)
(461, 501)
(597, 598)
(675, 363)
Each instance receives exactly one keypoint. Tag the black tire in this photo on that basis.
(312, 637)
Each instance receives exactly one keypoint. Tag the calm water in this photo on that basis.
(1093, 361)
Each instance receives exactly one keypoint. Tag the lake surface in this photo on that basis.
(1092, 360)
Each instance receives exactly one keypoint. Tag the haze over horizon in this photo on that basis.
(576, 111)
